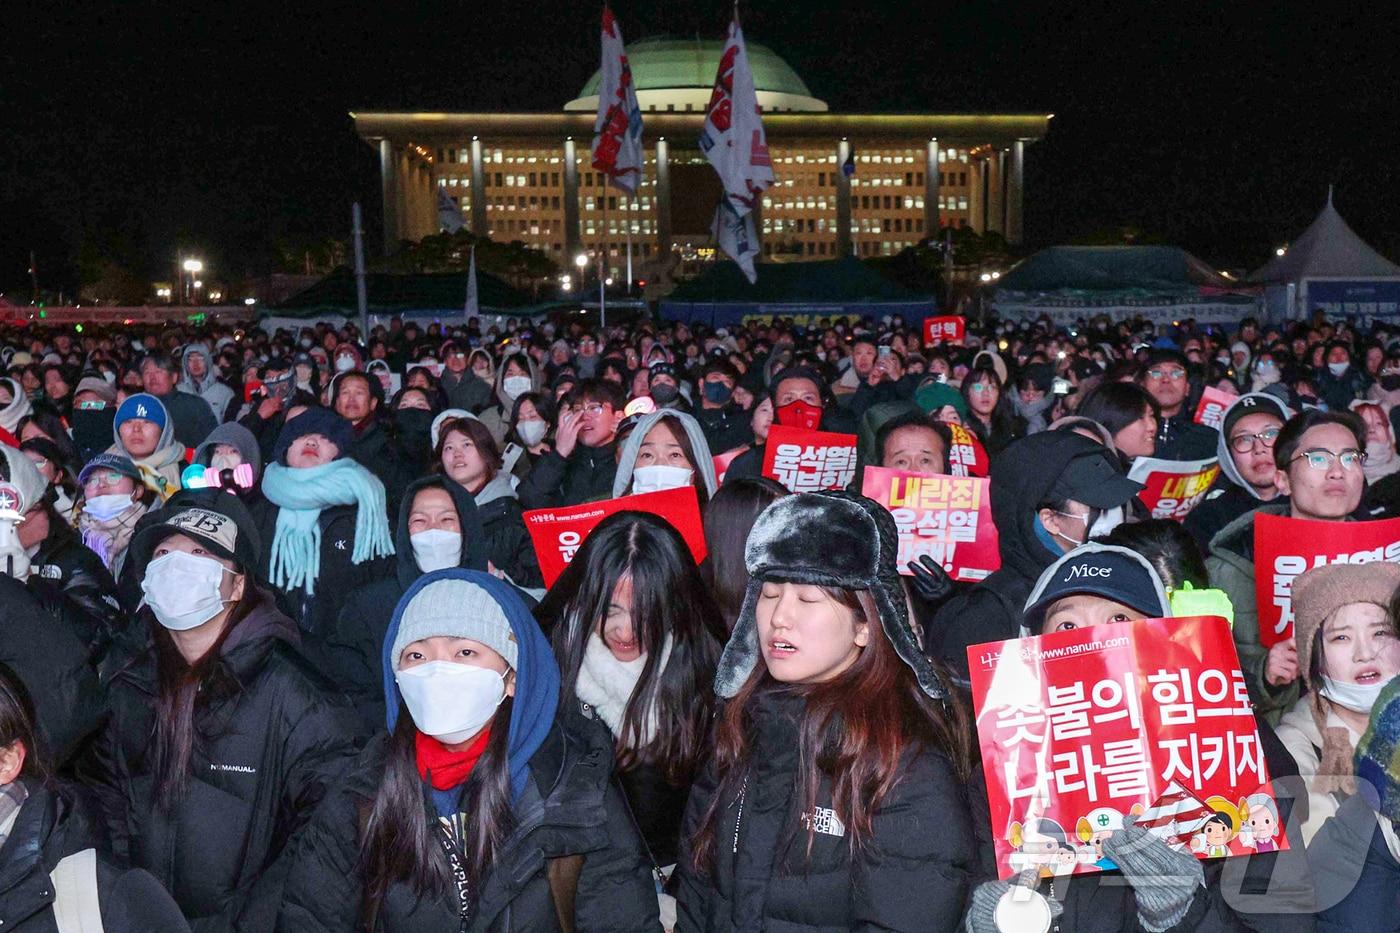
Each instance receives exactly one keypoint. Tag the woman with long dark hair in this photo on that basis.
(637, 636)
(667, 449)
(1129, 414)
(480, 810)
(222, 738)
(836, 797)
(991, 414)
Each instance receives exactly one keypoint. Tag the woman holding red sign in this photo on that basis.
(837, 797)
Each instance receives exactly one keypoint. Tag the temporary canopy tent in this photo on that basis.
(1160, 283)
(421, 297)
(804, 290)
(1329, 267)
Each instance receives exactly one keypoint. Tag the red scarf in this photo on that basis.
(444, 768)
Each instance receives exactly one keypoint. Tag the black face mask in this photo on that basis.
(1390, 383)
(664, 393)
(415, 424)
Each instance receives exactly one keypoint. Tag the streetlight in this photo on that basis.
(192, 268)
(193, 265)
(1281, 250)
(250, 301)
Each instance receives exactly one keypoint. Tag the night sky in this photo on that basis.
(139, 128)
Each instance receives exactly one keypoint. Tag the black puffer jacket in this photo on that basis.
(64, 561)
(915, 873)
(46, 831)
(338, 576)
(586, 474)
(350, 651)
(1022, 478)
(44, 640)
(508, 544)
(569, 808)
(380, 452)
(268, 745)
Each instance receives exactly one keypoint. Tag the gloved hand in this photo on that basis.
(930, 581)
(1164, 879)
(981, 913)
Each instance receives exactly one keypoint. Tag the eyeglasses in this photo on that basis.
(983, 387)
(1319, 458)
(1175, 375)
(594, 409)
(1244, 443)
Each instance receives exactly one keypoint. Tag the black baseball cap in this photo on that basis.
(1256, 403)
(1103, 570)
(217, 519)
(1095, 480)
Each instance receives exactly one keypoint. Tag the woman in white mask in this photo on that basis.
(467, 455)
(666, 450)
(481, 809)
(514, 378)
(114, 499)
(1348, 650)
(222, 737)
(637, 635)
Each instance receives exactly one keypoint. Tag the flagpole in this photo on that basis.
(603, 254)
(631, 209)
(361, 298)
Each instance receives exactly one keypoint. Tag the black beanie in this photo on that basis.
(318, 420)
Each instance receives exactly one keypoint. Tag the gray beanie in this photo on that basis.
(456, 609)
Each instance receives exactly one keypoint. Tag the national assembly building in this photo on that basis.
(846, 183)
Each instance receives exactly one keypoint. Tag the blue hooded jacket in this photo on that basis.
(536, 678)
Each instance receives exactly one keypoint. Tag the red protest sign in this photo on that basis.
(948, 518)
(1173, 487)
(723, 460)
(1080, 728)
(1285, 547)
(806, 461)
(1211, 411)
(557, 534)
(939, 330)
(966, 456)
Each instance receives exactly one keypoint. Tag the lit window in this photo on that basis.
(962, 204)
(496, 157)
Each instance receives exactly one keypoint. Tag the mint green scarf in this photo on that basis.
(300, 495)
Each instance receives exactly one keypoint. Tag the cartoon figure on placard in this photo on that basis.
(1040, 843)
(1219, 829)
(1259, 827)
(1096, 827)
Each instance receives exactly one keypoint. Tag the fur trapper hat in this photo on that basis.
(835, 539)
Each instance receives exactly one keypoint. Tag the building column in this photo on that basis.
(663, 202)
(389, 191)
(843, 200)
(976, 214)
(480, 226)
(931, 193)
(572, 244)
(996, 200)
(1015, 186)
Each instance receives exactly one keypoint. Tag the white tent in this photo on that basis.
(1330, 267)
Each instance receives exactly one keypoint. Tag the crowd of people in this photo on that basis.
(277, 650)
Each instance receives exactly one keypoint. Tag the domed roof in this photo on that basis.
(667, 63)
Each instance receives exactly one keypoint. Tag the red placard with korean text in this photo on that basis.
(1081, 728)
(723, 460)
(1285, 547)
(806, 461)
(1211, 411)
(948, 518)
(557, 534)
(966, 455)
(940, 330)
(1173, 487)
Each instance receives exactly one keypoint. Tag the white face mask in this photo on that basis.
(657, 478)
(105, 508)
(224, 461)
(1358, 698)
(1336, 369)
(436, 549)
(344, 363)
(516, 386)
(531, 432)
(1108, 520)
(182, 589)
(1379, 452)
(449, 701)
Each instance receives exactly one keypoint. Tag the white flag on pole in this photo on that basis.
(449, 216)
(473, 307)
(733, 138)
(617, 133)
(734, 234)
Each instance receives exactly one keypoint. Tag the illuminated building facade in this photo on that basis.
(527, 176)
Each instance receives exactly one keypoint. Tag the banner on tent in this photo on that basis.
(1365, 300)
(724, 314)
(1063, 312)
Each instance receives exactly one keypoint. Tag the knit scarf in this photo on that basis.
(12, 797)
(151, 466)
(443, 768)
(108, 539)
(607, 685)
(300, 495)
